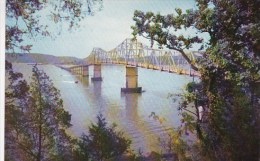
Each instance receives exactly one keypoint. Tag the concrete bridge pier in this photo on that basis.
(81, 70)
(131, 80)
(77, 70)
(73, 70)
(85, 71)
(97, 73)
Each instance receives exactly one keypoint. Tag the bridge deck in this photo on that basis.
(164, 68)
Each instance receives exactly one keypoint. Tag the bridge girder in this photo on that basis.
(137, 54)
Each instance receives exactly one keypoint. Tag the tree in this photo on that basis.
(16, 101)
(102, 142)
(23, 18)
(36, 122)
(158, 28)
(229, 72)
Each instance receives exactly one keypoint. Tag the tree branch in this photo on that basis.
(185, 57)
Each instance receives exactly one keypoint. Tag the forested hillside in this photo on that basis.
(42, 58)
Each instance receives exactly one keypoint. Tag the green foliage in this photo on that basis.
(173, 143)
(16, 93)
(23, 18)
(102, 142)
(229, 71)
(158, 28)
(36, 122)
(177, 146)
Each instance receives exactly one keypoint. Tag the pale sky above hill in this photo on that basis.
(106, 29)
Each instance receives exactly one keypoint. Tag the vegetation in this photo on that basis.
(102, 142)
(42, 58)
(173, 143)
(27, 15)
(229, 127)
(36, 125)
(225, 106)
(35, 119)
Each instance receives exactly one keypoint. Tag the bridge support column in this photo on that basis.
(97, 73)
(85, 71)
(81, 70)
(131, 81)
(76, 71)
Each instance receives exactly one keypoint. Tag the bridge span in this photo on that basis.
(133, 54)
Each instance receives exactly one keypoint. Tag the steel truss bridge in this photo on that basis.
(132, 52)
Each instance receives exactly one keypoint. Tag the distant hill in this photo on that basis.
(42, 58)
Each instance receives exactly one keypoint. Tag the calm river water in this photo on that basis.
(84, 100)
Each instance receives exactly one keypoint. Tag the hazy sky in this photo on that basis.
(106, 29)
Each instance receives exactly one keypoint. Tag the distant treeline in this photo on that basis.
(42, 58)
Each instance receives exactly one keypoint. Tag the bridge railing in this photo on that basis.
(135, 53)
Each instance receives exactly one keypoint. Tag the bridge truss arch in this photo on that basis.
(132, 52)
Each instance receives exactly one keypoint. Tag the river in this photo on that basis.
(85, 99)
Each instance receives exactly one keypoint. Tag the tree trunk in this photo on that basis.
(185, 57)
(40, 142)
(188, 60)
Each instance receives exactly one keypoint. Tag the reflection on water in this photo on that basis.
(84, 99)
(97, 95)
(97, 89)
(131, 105)
(141, 132)
(83, 80)
(135, 128)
